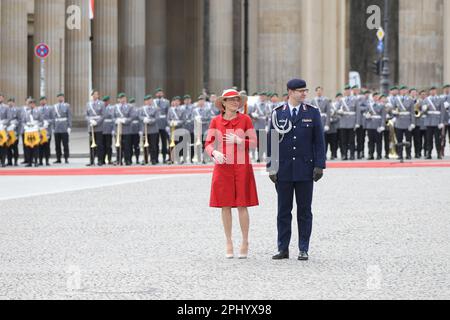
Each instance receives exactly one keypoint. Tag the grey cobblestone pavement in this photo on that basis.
(378, 234)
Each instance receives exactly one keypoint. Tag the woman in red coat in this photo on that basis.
(230, 137)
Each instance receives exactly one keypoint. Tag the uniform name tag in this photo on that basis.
(307, 120)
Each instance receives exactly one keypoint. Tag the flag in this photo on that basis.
(91, 9)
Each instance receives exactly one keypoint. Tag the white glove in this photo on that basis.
(357, 126)
(46, 124)
(326, 128)
(412, 127)
(219, 157)
(146, 120)
(11, 127)
(118, 121)
(441, 126)
(93, 123)
(424, 108)
(198, 118)
(255, 115)
(381, 129)
(69, 131)
(141, 134)
(123, 120)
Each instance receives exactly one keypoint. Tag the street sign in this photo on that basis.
(42, 51)
(380, 34)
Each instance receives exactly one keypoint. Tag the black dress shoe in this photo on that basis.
(303, 256)
(67, 161)
(281, 256)
(57, 162)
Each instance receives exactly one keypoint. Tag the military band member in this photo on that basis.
(375, 123)
(211, 105)
(149, 116)
(390, 105)
(259, 114)
(3, 127)
(445, 98)
(348, 123)
(48, 118)
(108, 129)
(63, 128)
(420, 132)
(23, 111)
(301, 162)
(361, 106)
(404, 121)
(123, 113)
(163, 104)
(434, 110)
(134, 131)
(94, 116)
(175, 122)
(203, 115)
(14, 117)
(33, 122)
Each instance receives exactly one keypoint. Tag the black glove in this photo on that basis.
(318, 174)
(273, 177)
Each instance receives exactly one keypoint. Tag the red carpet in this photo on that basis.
(172, 170)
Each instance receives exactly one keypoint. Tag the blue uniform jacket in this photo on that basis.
(303, 148)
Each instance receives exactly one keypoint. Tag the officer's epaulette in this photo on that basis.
(279, 107)
(310, 105)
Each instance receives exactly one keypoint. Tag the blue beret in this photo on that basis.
(295, 84)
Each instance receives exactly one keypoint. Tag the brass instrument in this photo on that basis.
(94, 144)
(146, 142)
(119, 135)
(172, 135)
(392, 140)
(417, 110)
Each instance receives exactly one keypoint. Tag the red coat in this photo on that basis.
(233, 183)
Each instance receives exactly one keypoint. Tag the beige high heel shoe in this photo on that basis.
(230, 254)
(243, 254)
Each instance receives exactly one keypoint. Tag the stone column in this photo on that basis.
(13, 48)
(323, 57)
(446, 13)
(132, 48)
(221, 45)
(278, 46)
(49, 27)
(105, 48)
(194, 48)
(77, 62)
(421, 47)
(156, 45)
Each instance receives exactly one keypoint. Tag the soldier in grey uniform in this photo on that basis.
(259, 114)
(445, 98)
(404, 121)
(325, 107)
(134, 130)
(188, 117)
(14, 117)
(149, 116)
(32, 120)
(94, 116)
(163, 104)
(420, 130)
(375, 123)
(361, 106)
(349, 119)
(3, 126)
(390, 105)
(63, 128)
(48, 118)
(435, 112)
(123, 113)
(175, 122)
(108, 129)
(22, 112)
(203, 115)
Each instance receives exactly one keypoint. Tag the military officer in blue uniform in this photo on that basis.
(299, 163)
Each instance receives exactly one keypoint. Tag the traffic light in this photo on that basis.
(376, 67)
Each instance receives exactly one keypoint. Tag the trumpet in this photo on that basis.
(417, 110)
(94, 144)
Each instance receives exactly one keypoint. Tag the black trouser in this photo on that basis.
(192, 146)
(124, 152)
(436, 133)
(387, 142)
(375, 141)
(419, 137)
(135, 146)
(25, 159)
(361, 140)
(153, 148)
(331, 140)
(62, 138)
(164, 143)
(3, 155)
(13, 153)
(401, 133)
(260, 133)
(32, 155)
(44, 151)
(99, 151)
(347, 142)
(107, 147)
